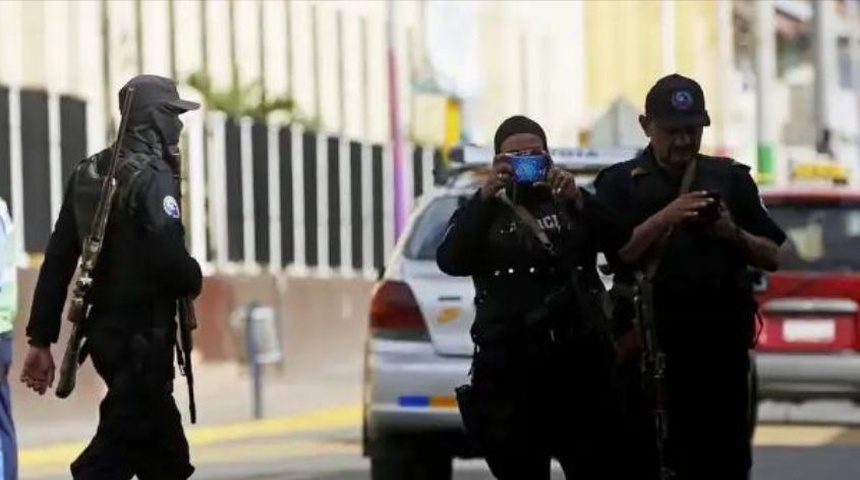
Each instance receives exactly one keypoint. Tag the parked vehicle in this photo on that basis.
(809, 346)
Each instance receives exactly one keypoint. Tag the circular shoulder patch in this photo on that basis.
(171, 207)
(682, 99)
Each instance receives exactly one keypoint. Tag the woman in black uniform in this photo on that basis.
(542, 378)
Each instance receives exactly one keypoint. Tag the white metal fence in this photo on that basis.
(258, 195)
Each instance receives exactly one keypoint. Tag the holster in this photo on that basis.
(466, 406)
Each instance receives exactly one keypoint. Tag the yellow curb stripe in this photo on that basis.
(796, 435)
(329, 419)
(232, 454)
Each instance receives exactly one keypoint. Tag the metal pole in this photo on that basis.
(667, 19)
(251, 348)
(234, 61)
(394, 120)
(341, 73)
(365, 80)
(106, 73)
(765, 80)
(138, 33)
(524, 73)
(261, 48)
(171, 37)
(825, 72)
(315, 46)
(725, 68)
(288, 20)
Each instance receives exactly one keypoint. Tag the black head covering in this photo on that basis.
(156, 107)
(514, 125)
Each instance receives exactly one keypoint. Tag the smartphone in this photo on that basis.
(529, 168)
(711, 213)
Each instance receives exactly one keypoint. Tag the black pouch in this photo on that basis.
(466, 405)
(488, 409)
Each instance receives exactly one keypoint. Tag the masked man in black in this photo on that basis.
(143, 269)
(541, 384)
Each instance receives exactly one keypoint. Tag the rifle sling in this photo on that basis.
(653, 263)
(523, 214)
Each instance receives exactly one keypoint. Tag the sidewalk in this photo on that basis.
(223, 396)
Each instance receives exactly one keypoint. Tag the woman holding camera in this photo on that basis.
(542, 377)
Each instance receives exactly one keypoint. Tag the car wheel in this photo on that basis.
(417, 467)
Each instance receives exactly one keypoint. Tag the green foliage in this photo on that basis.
(247, 100)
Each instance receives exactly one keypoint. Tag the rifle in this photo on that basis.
(78, 307)
(653, 358)
(653, 367)
(187, 323)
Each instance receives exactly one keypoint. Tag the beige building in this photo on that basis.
(532, 66)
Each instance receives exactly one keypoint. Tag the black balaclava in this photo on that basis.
(155, 129)
(508, 128)
(153, 124)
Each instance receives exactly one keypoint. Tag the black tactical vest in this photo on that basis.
(123, 276)
(695, 265)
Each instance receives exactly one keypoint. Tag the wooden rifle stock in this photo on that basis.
(78, 308)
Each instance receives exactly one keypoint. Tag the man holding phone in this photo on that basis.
(699, 223)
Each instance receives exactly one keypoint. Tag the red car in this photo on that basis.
(809, 346)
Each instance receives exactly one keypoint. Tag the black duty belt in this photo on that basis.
(532, 270)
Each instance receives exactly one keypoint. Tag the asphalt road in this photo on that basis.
(825, 451)
(772, 463)
(332, 460)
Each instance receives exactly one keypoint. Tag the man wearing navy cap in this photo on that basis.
(143, 269)
(699, 226)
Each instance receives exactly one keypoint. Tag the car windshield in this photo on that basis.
(822, 236)
(430, 228)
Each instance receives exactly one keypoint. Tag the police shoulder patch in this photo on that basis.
(171, 206)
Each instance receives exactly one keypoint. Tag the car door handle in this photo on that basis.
(450, 298)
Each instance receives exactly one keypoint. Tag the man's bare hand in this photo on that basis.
(38, 372)
(685, 207)
(500, 176)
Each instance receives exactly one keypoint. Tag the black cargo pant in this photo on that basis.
(538, 402)
(140, 429)
(637, 448)
(709, 405)
(708, 418)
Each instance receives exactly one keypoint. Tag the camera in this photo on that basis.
(711, 213)
(529, 168)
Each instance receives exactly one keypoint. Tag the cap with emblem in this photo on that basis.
(677, 101)
(152, 91)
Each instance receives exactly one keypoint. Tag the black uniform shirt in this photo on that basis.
(153, 204)
(698, 273)
(512, 272)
